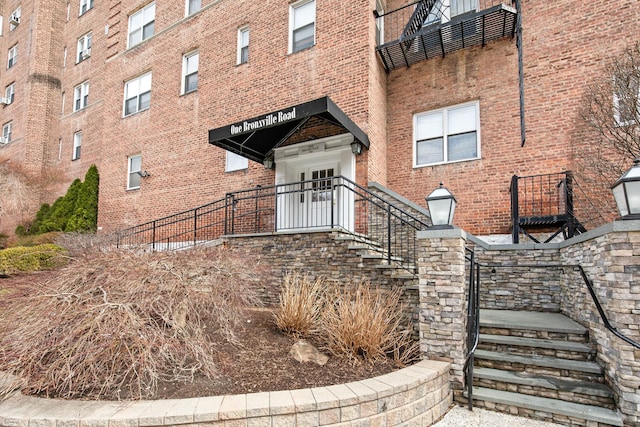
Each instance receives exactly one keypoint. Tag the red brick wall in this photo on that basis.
(566, 44)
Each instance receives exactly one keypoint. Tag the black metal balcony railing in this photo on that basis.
(325, 203)
(425, 29)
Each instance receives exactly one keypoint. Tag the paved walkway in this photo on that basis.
(460, 416)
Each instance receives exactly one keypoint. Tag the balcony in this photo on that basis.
(433, 28)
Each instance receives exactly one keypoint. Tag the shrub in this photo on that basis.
(301, 302)
(113, 324)
(40, 239)
(85, 214)
(365, 322)
(32, 258)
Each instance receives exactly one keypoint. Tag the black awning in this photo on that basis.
(256, 138)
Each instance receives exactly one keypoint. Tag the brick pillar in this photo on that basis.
(443, 299)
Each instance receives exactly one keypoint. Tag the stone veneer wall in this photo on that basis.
(318, 254)
(417, 395)
(610, 256)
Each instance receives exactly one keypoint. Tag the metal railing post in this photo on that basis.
(153, 236)
(195, 226)
(389, 234)
(515, 218)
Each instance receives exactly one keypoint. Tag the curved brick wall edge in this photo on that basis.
(417, 394)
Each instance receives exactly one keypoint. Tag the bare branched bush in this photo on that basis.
(301, 303)
(366, 322)
(80, 244)
(113, 325)
(611, 113)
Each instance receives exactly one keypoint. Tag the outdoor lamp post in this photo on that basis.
(442, 206)
(626, 191)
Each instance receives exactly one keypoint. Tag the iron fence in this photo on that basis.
(324, 203)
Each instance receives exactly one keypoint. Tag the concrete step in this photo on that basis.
(566, 389)
(541, 365)
(530, 320)
(546, 409)
(541, 347)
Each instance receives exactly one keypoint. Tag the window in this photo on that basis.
(141, 24)
(190, 72)
(84, 47)
(77, 145)
(6, 133)
(10, 93)
(243, 45)
(14, 19)
(444, 10)
(137, 94)
(236, 162)
(12, 58)
(302, 18)
(193, 6)
(85, 5)
(81, 96)
(626, 100)
(135, 172)
(447, 135)
(379, 23)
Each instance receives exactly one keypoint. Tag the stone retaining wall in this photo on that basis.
(417, 395)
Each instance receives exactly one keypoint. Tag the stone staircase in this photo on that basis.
(540, 365)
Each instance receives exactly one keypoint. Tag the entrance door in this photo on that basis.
(322, 205)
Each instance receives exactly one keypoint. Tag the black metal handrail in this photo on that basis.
(589, 283)
(473, 311)
(323, 203)
(473, 322)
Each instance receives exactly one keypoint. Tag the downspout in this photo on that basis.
(520, 70)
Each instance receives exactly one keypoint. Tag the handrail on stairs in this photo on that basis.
(473, 324)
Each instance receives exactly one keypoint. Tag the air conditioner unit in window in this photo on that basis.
(86, 53)
(5, 101)
(4, 140)
(14, 20)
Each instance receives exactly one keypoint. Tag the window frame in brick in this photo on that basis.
(10, 92)
(627, 98)
(189, 74)
(81, 96)
(133, 175)
(189, 10)
(235, 162)
(145, 27)
(12, 56)
(440, 126)
(7, 131)
(243, 44)
(84, 47)
(134, 89)
(299, 23)
(77, 145)
(85, 6)
(17, 13)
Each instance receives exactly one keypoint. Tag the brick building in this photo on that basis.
(180, 102)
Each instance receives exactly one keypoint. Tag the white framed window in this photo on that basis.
(235, 162)
(379, 22)
(141, 24)
(14, 19)
(81, 96)
(64, 100)
(137, 94)
(190, 72)
(134, 172)
(85, 5)
(444, 10)
(626, 101)
(77, 145)
(7, 129)
(12, 57)
(84, 47)
(192, 6)
(243, 45)
(302, 25)
(10, 93)
(447, 135)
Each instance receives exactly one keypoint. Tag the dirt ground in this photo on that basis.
(261, 361)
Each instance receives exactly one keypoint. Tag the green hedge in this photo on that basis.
(33, 258)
